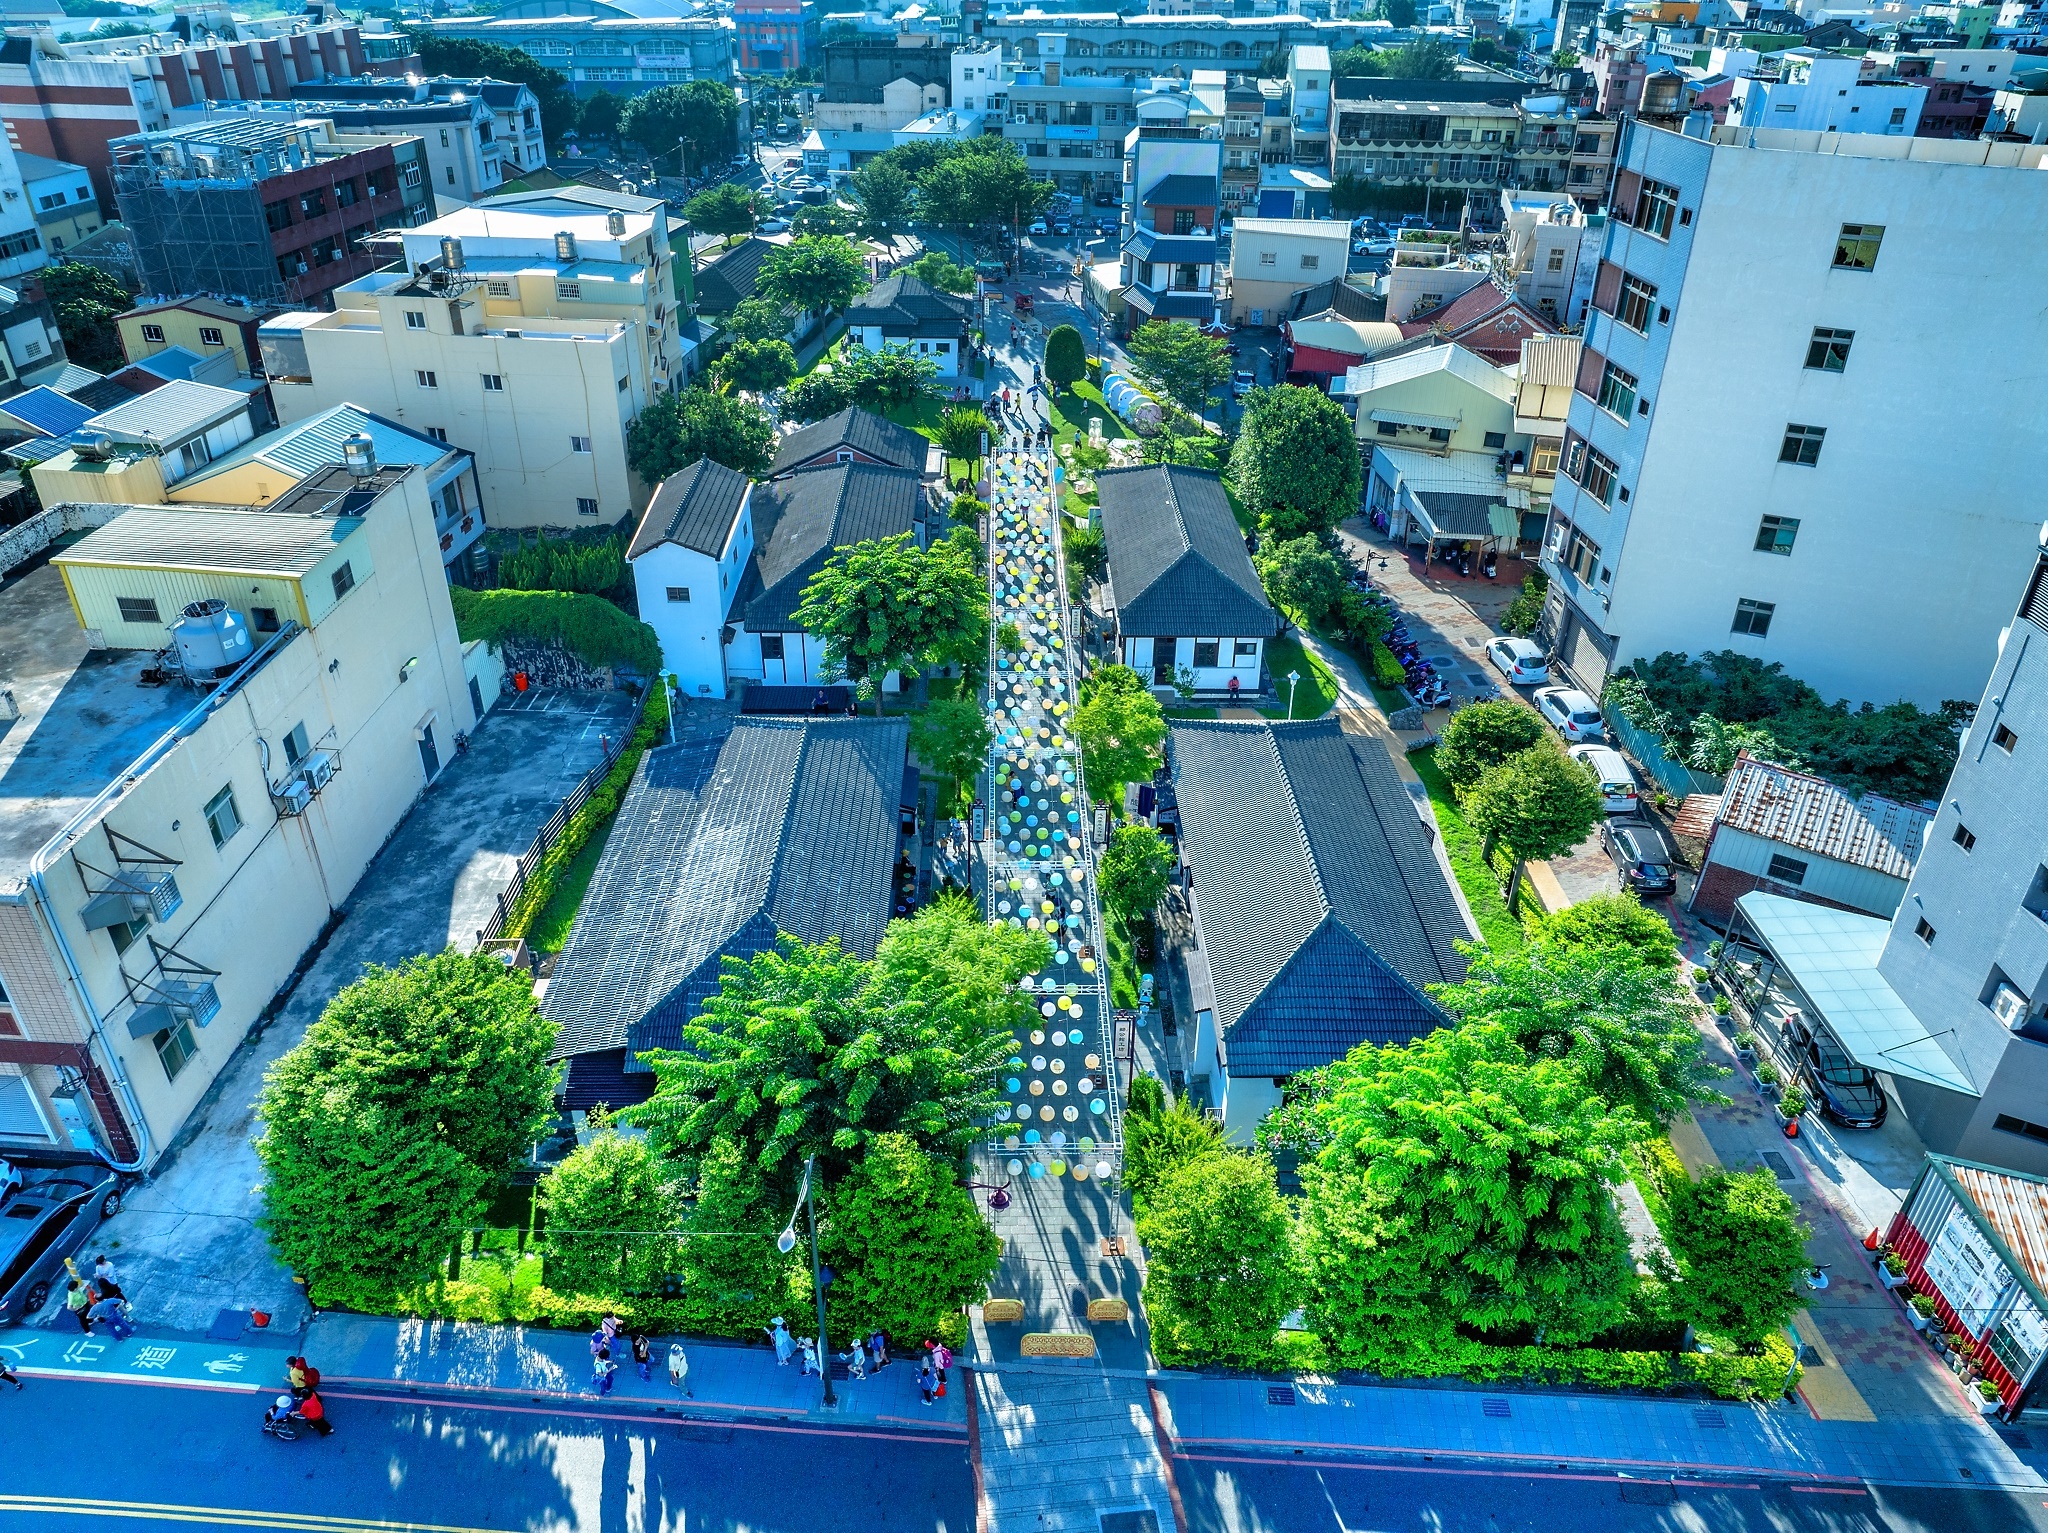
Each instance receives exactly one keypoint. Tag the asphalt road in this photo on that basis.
(1307, 1495)
(121, 1457)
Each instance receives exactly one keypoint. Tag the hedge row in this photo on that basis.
(466, 1299)
(588, 627)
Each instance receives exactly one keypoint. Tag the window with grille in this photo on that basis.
(1656, 208)
(138, 609)
(1787, 870)
(498, 289)
(569, 292)
(1802, 445)
(153, 333)
(586, 505)
(679, 593)
(1594, 471)
(222, 818)
(344, 581)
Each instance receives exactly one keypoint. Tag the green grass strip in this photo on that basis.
(1499, 930)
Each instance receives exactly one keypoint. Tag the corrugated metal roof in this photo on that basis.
(2016, 1208)
(180, 409)
(315, 443)
(1551, 361)
(1696, 816)
(252, 542)
(1808, 812)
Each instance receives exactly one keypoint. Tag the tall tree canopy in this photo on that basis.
(87, 301)
(696, 123)
(1540, 801)
(1121, 729)
(818, 272)
(1184, 364)
(1221, 1265)
(1483, 736)
(887, 605)
(1066, 357)
(439, 55)
(1296, 461)
(882, 197)
(683, 425)
(1136, 868)
(726, 209)
(1742, 1253)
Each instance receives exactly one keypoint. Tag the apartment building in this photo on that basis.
(1733, 476)
(273, 211)
(66, 207)
(1553, 253)
(1173, 189)
(203, 326)
(1826, 93)
(1308, 99)
(1157, 43)
(1467, 140)
(478, 133)
(605, 46)
(168, 852)
(529, 329)
(67, 101)
(1244, 128)
(1273, 259)
(769, 35)
(21, 239)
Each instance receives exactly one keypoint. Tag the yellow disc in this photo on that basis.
(1037, 1087)
(1045, 1113)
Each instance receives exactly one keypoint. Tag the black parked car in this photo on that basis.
(52, 1215)
(1845, 1092)
(1642, 854)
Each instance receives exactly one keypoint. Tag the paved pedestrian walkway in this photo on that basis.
(1067, 1453)
(366, 1354)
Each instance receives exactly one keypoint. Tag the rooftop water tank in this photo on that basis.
(212, 640)
(359, 456)
(615, 224)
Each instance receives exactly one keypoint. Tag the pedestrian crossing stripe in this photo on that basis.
(219, 1517)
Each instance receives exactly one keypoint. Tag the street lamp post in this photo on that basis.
(1293, 680)
(785, 1243)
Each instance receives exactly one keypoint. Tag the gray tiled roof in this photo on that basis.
(694, 508)
(1182, 191)
(1176, 558)
(787, 825)
(1323, 909)
(724, 284)
(862, 430)
(799, 520)
(910, 304)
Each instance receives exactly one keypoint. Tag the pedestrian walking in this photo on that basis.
(879, 1345)
(784, 1345)
(78, 1300)
(8, 1375)
(601, 1370)
(103, 1277)
(679, 1370)
(643, 1354)
(810, 1362)
(942, 1359)
(856, 1360)
(315, 1415)
(925, 1380)
(111, 1313)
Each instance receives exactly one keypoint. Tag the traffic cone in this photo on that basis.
(1791, 1128)
(1873, 1240)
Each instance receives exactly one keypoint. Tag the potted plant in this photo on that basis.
(1988, 1400)
(1958, 1350)
(1792, 1103)
(1891, 1269)
(1920, 1310)
(1767, 1078)
(1745, 1045)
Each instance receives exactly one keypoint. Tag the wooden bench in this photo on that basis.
(1115, 1311)
(998, 1311)
(1056, 1344)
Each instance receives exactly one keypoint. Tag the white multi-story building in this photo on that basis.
(1766, 451)
(21, 244)
(1826, 93)
(530, 329)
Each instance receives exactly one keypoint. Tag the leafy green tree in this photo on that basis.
(598, 116)
(908, 1246)
(948, 959)
(1184, 364)
(982, 181)
(1158, 1143)
(1401, 13)
(817, 394)
(881, 193)
(726, 210)
(1742, 1253)
(386, 1130)
(818, 272)
(696, 122)
(1484, 735)
(1618, 920)
(614, 1217)
(756, 319)
(1541, 802)
(1066, 357)
(470, 59)
(799, 1053)
(1087, 553)
(1426, 58)
(729, 1262)
(683, 425)
(1304, 579)
(951, 736)
(823, 218)
(1135, 869)
(1357, 63)
(760, 366)
(1221, 1271)
(886, 605)
(87, 302)
(1625, 1026)
(962, 431)
(1296, 461)
(942, 272)
(1177, 437)
(1121, 729)
(1461, 1183)
(888, 379)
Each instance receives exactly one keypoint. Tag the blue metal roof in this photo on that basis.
(44, 409)
(315, 443)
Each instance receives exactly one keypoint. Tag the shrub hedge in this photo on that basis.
(588, 627)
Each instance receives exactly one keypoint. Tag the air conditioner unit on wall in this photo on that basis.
(294, 796)
(316, 769)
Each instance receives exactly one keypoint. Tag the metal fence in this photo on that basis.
(1674, 777)
(549, 834)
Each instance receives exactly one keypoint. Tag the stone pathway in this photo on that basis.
(1070, 1453)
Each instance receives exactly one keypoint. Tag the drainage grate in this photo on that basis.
(1708, 1417)
(1500, 1408)
(1648, 1492)
(689, 1432)
(1280, 1394)
(1144, 1520)
(1780, 1167)
(1809, 1356)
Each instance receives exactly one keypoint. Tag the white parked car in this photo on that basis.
(1571, 713)
(1520, 660)
(1037, 226)
(1617, 782)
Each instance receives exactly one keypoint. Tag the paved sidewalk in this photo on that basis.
(1639, 1435)
(363, 1353)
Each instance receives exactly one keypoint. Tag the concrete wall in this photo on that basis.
(688, 630)
(1827, 881)
(1143, 655)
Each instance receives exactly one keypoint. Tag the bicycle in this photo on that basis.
(277, 1421)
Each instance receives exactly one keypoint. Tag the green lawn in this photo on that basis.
(550, 933)
(1071, 412)
(1244, 518)
(920, 415)
(1462, 844)
(1317, 693)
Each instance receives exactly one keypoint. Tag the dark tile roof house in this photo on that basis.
(724, 284)
(1485, 320)
(784, 825)
(1182, 191)
(866, 436)
(799, 520)
(1323, 909)
(694, 508)
(1339, 298)
(905, 308)
(1177, 562)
